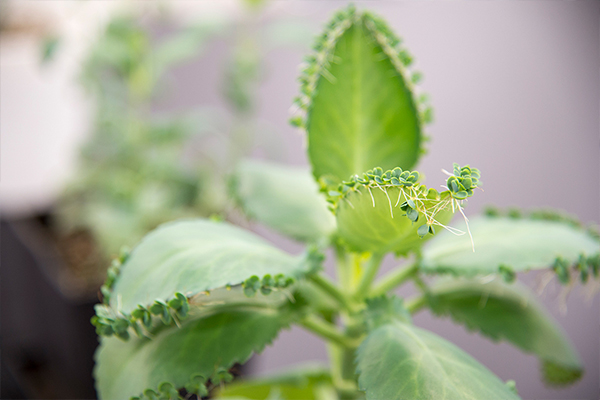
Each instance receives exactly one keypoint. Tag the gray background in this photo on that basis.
(515, 88)
(516, 93)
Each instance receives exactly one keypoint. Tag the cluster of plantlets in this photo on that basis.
(585, 266)
(362, 121)
(140, 320)
(417, 199)
(266, 285)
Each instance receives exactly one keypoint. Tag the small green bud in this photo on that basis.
(508, 274)
(512, 386)
(561, 267)
(423, 230)
(412, 214)
(157, 308)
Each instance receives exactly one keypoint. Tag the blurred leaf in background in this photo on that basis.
(143, 166)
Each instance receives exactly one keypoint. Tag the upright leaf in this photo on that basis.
(508, 244)
(361, 110)
(401, 362)
(284, 198)
(510, 312)
(201, 347)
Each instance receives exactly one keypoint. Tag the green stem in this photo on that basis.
(369, 274)
(331, 289)
(342, 369)
(343, 267)
(394, 279)
(416, 304)
(327, 331)
(421, 285)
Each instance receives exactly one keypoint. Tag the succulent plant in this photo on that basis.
(196, 296)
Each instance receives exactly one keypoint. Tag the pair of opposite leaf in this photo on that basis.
(364, 127)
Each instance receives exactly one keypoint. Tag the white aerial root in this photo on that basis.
(591, 289)
(349, 202)
(563, 296)
(419, 201)
(371, 193)
(544, 279)
(388, 197)
(467, 223)
(400, 193)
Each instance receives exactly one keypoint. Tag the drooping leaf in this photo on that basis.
(194, 256)
(401, 362)
(305, 383)
(200, 347)
(510, 312)
(511, 243)
(284, 198)
(374, 219)
(361, 111)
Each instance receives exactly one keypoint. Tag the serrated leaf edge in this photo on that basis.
(193, 377)
(315, 65)
(167, 312)
(497, 338)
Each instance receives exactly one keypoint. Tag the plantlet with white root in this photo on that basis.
(196, 296)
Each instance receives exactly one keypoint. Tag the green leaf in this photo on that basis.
(284, 198)
(305, 383)
(401, 362)
(361, 111)
(194, 256)
(371, 219)
(383, 310)
(200, 347)
(521, 244)
(510, 312)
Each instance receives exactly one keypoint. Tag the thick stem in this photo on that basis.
(416, 304)
(420, 284)
(368, 275)
(331, 289)
(327, 331)
(342, 357)
(342, 370)
(343, 268)
(394, 279)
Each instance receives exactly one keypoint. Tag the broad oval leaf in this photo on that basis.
(361, 110)
(194, 256)
(518, 244)
(401, 362)
(509, 312)
(200, 347)
(301, 383)
(284, 198)
(370, 219)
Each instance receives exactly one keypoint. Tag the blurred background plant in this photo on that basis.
(142, 165)
(135, 172)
